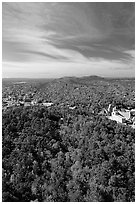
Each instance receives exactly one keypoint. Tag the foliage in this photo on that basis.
(85, 157)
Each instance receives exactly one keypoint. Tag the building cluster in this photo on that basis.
(12, 101)
(122, 115)
(21, 94)
(14, 97)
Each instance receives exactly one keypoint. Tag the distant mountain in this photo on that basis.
(72, 80)
(78, 80)
(94, 77)
(86, 80)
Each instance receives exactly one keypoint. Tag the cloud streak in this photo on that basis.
(99, 36)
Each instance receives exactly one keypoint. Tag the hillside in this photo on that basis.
(67, 152)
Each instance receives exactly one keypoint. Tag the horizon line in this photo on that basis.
(70, 77)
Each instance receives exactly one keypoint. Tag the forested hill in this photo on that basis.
(90, 91)
(80, 158)
(59, 154)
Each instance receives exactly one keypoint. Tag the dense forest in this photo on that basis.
(62, 155)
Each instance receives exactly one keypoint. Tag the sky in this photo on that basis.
(51, 39)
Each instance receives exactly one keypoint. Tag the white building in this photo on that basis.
(122, 116)
(125, 113)
(47, 104)
(72, 107)
(118, 116)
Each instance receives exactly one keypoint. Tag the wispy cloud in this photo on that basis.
(99, 36)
